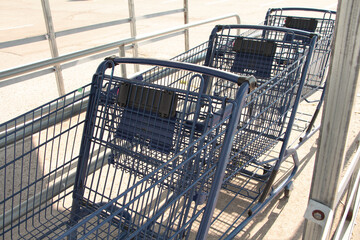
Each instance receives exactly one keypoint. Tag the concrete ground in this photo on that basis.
(282, 218)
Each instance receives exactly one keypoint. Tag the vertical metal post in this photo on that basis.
(133, 30)
(123, 66)
(340, 91)
(186, 21)
(53, 46)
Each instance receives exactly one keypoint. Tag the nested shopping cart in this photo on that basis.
(120, 158)
(280, 62)
(318, 21)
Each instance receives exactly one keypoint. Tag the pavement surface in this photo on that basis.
(282, 218)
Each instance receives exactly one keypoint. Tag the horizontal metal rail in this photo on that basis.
(347, 176)
(13, 72)
(23, 129)
(67, 32)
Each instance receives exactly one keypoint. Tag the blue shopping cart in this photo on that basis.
(280, 62)
(120, 158)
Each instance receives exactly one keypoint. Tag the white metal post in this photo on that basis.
(123, 66)
(53, 46)
(340, 91)
(186, 21)
(133, 30)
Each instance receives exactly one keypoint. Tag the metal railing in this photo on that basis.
(102, 50)
(351, 183)
(325, 216)
(51, 35)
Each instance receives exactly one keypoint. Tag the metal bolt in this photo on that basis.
(318, 215)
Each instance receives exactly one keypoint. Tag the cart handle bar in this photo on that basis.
(302, 9)
(251, 80)
(269, 28)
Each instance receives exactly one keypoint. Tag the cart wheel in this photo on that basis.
(266, 169)
(288, 189)
(287, 193)
(111, 159)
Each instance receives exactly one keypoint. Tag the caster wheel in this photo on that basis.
(288, 189)
(287, 193)
(266, 169)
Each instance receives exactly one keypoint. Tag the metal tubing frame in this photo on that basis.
(290, 123)
(302, 9)
(71, 31)
(232, 77)
(352, 174)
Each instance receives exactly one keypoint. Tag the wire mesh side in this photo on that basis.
(195, 55)
(39, 151)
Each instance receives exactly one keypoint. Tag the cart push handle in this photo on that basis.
(302, 9)
(251, 80)
(311, 35)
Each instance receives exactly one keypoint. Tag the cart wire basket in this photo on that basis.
(120, 158)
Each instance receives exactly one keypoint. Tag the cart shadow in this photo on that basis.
(30, 169)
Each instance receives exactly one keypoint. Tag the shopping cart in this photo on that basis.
(136, 163)
(279, 61)
(319, 21)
